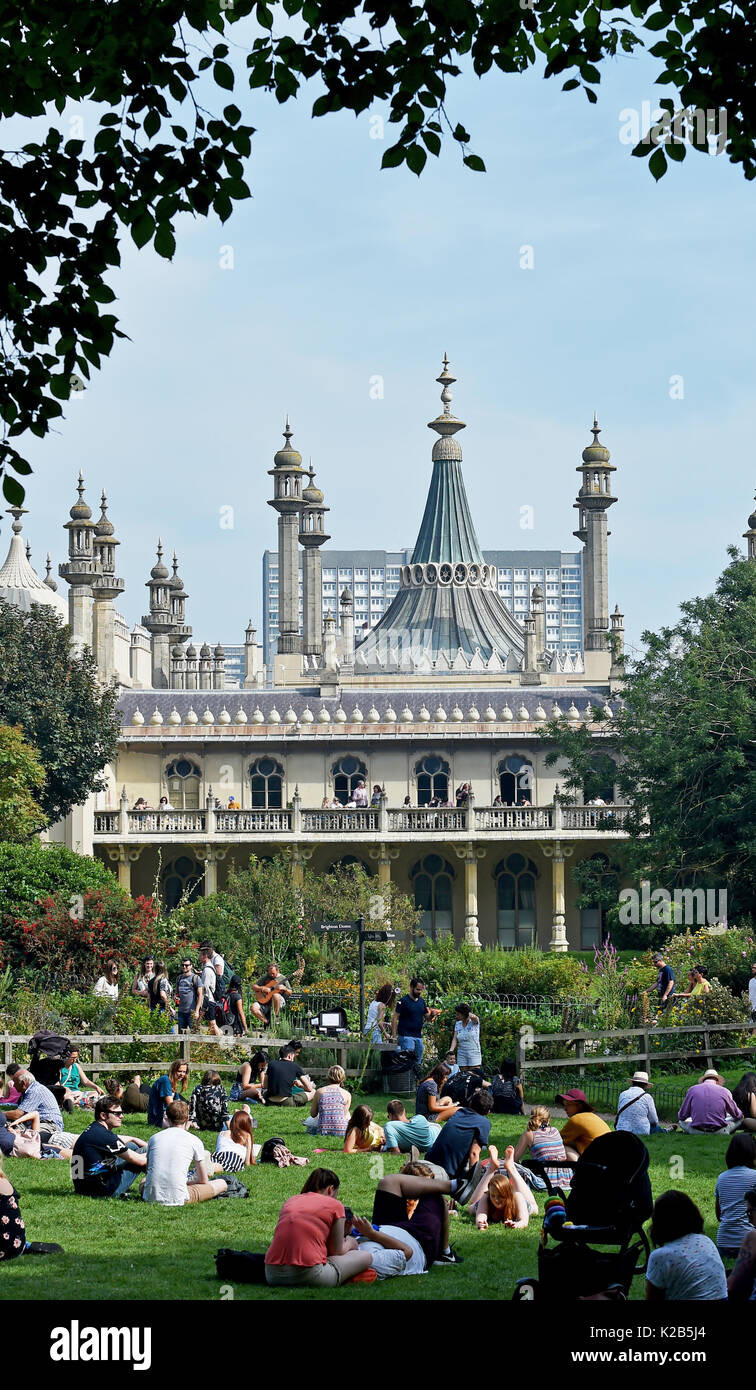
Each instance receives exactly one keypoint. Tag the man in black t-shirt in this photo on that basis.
(286, 1083)
(458, 1147)
(103, 1163)
(411, 1013)
(665, 981)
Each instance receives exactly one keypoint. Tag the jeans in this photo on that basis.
(412, 1045)
(184, 1019)
(128, 1175)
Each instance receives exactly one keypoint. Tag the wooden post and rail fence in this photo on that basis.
(527, 1043)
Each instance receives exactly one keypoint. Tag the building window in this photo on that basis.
(515, 902)
(266, 780)
(350, 861)
(599, 784)
(605, 880)
(516, 781)
(346, 773)
(432, 879)
(180, 881)
(182, 779)
(432, 775)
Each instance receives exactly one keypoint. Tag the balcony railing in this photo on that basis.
(375, 823)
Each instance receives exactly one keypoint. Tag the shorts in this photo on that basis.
(299, 1099)
(199, 1192)
(325, 1276)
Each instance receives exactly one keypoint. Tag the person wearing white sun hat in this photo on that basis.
(709, 1107)
(636, 1112)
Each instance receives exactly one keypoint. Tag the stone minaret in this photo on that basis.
(312, 535)
(593, 501)
(346, 604)
(178, 596)
(80, 569)
(538, 611)
(287, 501)
(219, 668)
(159, 622)
(618, 645)
(252, 668)
(106, 587)
(750, 536)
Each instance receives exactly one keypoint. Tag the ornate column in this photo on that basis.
(557, 852)
(384, 855)
(470, 854)
(124, 857)
(299, 857)
(210, 856)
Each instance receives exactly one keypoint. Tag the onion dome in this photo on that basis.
(104, 527)
(323, 716)
(572, 712)
(357, 716)
(390, 715)
(537, 594)
(406, 716)
(80, 511)
(312, 494)
(507, 715)
(423, 714)
(595, 452)
(523, 715)
(540, 712)
(240, 717)
(219, 653)
(159, 570)
(287, 457)
(556, 710)
(290, 716)
(489, 714)
(373, 717)
(307, 716)
(440, 715)
(191, 716)
(257, 716)
(473, 714)
(346, 597)
(224, 717)
(137, 717)
(205, 652)
(340, 716)
(208, 717)
(608, 711)
(457, 715)
(174, 717)
(752, 521)
(156, 717)
(49, 581)
(191, 652)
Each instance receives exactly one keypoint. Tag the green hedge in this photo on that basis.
(446, 966)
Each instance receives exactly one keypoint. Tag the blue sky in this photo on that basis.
(343, 273)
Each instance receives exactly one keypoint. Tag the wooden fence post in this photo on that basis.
(96, 1052)
(7, 1049)
(707, 1047)
(186, 1049)
(580, 1054)
(646, 1049)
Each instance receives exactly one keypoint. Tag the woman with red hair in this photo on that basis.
(503, 1197)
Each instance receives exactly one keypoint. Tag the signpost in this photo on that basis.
(364, 934)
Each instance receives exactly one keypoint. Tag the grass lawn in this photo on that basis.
(126, 1249)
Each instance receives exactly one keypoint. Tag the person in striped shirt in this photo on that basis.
(543, 1141)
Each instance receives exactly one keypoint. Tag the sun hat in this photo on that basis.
(579, 1096)
(710, 1075)
(641, 1078)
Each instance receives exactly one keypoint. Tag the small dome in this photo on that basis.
(572, 712)
(219, 653)
(191, 716)
(489, 714)
(423, 714)
(373, 717)
(224, 717)
(406, 716)
(523, 714)
(340, 716)
(346, 597)
(259, 718)
(440, 715)
(174, 717)
(175, 581)
(752, 521)
(158, 570)
(311, 493)
(556, 710)
(208, 717)
(156, 717)
(240, 717)
(80, 511)
(537, 594)
(390, 715)
(323, 716)
(191, 652)
(446, 448)
(357, 716)
(457, 715)
(595, 452)
(287, 457)
(204, 651)
(473, 714)
(608, 711)
(137, 717)
(177, 652)
(104, 526)
(507, 714)
(307, 716)
(290, 716)
(540, 712)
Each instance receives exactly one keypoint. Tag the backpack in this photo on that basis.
(462, 1087)
(505, 1097)
(240, 1266)
(51, 1044)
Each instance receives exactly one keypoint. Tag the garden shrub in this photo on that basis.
(500, 1030)
(726, 956)
(33, 872)
(446, 966)
(75, 935)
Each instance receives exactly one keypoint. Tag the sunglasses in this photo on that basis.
(115, 1112)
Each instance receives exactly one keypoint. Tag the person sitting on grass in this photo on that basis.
(708, 1107)
(363, 1135)
(392, 1251)
(136, 1096)
(583, 1124)
(744, 1097)
(685, 1266)
(170, 1155)
(11, 1094)
(542, 1141)
(13, 1242)
(413, 1201)
(502, 1197)
(75, 1080)
(105, 1163)
(35, 1096)
(329, 1110)
(402, 1135)
(286, 1082)
(636, 1112)
(730, 1193)
(166, 1089)
(208, 1107)
(249, 1082)
(234, 1147)
(309, 1245)
(429, 1102)
(741, 1283)
(462, 1139)
(506, 1088)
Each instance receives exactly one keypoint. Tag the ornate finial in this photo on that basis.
(49, 581)
(446, 423)
(80, 485)
(446, 380)
(160, 548)
(28, 551)
(595, 431)
(17, 513)
(287, 432)
(175, 563)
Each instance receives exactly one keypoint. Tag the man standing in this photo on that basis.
(709, 1108)
(665, 981)
(411, 1013)
(190, 994)
(104, 1163)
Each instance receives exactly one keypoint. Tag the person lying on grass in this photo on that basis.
(363, 1135)
(169, 1157)
(392, 1251)
(502, 1197)
(413, 1202)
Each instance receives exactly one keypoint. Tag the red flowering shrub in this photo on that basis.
(78, 933)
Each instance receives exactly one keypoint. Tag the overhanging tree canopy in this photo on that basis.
(158, 152)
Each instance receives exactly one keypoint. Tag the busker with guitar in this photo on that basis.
(272, 990)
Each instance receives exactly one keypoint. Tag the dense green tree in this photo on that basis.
(21, 776)
(54, 695)
(685, 736)
(158, 152)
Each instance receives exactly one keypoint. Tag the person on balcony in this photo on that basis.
(165, 804)
(407, 803)
(375, 799)
(233, 804)
(359, 795)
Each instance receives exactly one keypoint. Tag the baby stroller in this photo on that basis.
(609, 1200)
(47, 1053)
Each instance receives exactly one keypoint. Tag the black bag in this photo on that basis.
(392, 1062)
(49, 1045)
(505, 1097)
(240, 1266)
(462, 1087)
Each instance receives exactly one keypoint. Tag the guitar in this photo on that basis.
(264, 993)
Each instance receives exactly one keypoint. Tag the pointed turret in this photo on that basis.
(159, 622)
(81, 568)
(287, 474)
(750, 536)
(312, 535)
(593, 501)
(20, 586)
(106, 588)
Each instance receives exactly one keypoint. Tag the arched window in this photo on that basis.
(180, 881)
(432, 775)
(515, 901)
(266, 779)
(516, 781)
(599, 882)
(432, 879)
(349, 861)
(346, 773)
(599, 783)
(182, 779)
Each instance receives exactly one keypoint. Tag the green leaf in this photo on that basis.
(658, 164)
(232, 114)
(474, 161)
(657, 21)
(151, 123)
(675, 149)
(432, 142)
(416, 158)
(165, 241)
(13, 492)
(224, 76)
(142, 229)
(394, 156)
